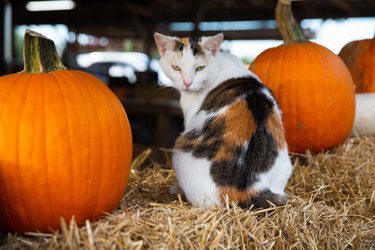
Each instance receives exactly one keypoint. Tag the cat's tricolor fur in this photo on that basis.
(233, 146)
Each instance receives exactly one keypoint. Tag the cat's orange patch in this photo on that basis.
(210, 142)
(235, 195)
(183, 142)
(239, 127)
(276, 129)
(224, 154)
(239, 124)
(185, 40)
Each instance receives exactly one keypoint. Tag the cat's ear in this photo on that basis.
(163, 42)
(212, 43)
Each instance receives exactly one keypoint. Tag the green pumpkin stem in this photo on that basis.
(40, 55)
(288, 27)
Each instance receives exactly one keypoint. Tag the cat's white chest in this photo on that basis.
(191, 105)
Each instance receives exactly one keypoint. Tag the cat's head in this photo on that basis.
(189, 62)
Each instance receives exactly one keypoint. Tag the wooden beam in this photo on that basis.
(115, 18)
(139, 10)
(99, 14)
(256, 34)
(200, 14)
(344, 6)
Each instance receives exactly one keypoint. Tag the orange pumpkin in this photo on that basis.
(65, 143)
(359, 56)
(312, 85)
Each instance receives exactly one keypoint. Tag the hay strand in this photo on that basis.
(331, 206)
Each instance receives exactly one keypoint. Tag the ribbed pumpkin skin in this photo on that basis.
(315, 92)
(359, 56)
(65, 149)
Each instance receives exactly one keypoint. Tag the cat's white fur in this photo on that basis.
(277, 177)
(226, 66)
(194, 179)
(193, 174)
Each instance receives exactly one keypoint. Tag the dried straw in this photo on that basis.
(331, 206)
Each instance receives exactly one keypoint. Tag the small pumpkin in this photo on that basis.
(65, 143)
(312, 85)
(359, 57)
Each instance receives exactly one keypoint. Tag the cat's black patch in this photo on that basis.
(212, 127)
(203, 143)
(196, 48)
(243, 170)
(211, 142)
(208, 150)
(260, 105)
(227, 173)
(179, 46)
(228, 91)
(264, 199)
(187, 142)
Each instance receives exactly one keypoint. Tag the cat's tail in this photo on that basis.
(264, 199)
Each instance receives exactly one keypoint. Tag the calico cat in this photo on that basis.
(233, 146)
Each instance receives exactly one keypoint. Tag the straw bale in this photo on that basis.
(331, 206)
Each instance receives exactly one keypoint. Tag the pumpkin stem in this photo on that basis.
(288, 27)
(40, 55)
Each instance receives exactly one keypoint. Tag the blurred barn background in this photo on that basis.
(113, 40)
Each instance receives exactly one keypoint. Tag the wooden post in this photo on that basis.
(6, 38)
(2, 59)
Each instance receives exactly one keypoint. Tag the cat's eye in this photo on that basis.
(175, 67)
(200, 68)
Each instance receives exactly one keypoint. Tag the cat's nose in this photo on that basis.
(187, 84)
